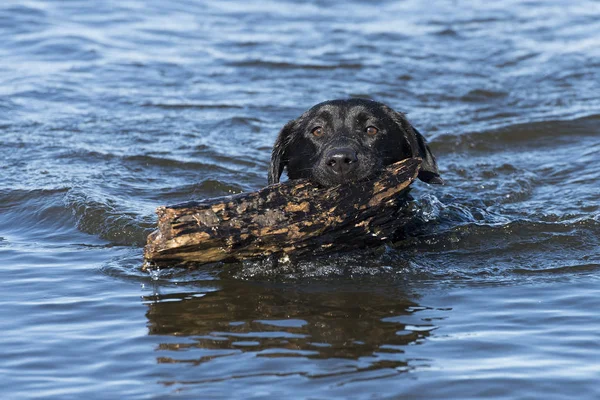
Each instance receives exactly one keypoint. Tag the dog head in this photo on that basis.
(344, 141)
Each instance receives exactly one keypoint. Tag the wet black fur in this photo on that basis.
(344, 124)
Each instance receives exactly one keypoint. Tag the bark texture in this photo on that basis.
(297, 218)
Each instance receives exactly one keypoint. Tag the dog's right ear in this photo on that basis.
(429, 170)
(279, 153)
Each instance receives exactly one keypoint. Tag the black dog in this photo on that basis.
(342, 141)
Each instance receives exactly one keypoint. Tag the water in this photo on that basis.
(110, 109)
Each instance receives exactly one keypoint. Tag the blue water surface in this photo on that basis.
(110, 109)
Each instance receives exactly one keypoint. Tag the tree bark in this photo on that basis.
(296, 218)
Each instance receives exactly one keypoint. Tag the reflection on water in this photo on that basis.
(372, 323)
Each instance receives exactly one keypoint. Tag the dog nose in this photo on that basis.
(341, 160)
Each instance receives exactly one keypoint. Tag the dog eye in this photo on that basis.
(372, 131)
(318, 131)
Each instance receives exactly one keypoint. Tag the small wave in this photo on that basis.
(547, 133)
(480, 95)
(502, 253)
(288, 65)
(198, 106)
(107, 218)
(158, 160)
(563, 269)
(37, 214)
(154, 161)
(58, 47)
(447, 32)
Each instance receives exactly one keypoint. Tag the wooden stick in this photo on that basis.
(296, 218)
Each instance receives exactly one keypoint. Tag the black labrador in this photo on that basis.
(344, 141)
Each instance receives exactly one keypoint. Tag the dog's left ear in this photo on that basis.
(429, 170)
(278, 155)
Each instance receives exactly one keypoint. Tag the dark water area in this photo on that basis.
(110, 109)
